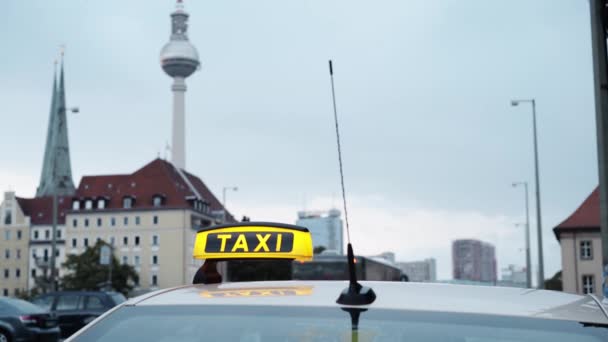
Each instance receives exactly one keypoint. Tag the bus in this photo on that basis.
(334, 267)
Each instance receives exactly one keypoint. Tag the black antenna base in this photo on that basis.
(355, 293)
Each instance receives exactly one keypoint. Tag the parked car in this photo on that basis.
(75, 309)
(23, 321)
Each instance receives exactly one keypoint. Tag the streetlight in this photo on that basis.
(528, 257)
(233, 188)
(541, 271)
(55, 209)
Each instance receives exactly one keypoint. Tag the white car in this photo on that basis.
(311, 310)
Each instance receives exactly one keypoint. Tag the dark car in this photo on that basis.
(23, 321)
(75, 309)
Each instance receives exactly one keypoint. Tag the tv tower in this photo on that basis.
(179, 59)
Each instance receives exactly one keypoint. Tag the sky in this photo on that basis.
(430, 143)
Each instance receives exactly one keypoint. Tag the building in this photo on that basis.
(420, 271)
(513, 276)
(474, 260)
(388, 256)
(325, 228)
(14, 230)
(581, 246)
(179, 59)
(150, 216)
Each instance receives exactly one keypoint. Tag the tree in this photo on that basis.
(85, 273)
(318, 250)
(555, 283)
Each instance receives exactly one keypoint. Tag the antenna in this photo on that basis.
(355, 293)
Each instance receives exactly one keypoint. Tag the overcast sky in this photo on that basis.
(430, 143)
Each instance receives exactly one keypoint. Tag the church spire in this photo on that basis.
(56, 169)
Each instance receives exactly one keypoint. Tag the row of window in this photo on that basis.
(137, 260)
(5, 292)
(125, 241)
(7, 253)
(9, 233)
(7, 273)
(47, 234)
(45, 255)
(125, 220)
(127, 203)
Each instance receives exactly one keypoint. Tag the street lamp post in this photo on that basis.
(528, 256)
(233, 188)
(541, 269)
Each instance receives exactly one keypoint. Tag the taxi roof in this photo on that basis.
(504, 301)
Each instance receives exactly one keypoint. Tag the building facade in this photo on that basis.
(420, 271)
(474, 260)
(150, 217)
(14, 231)
(513, 276)
(325, 228)
(581, 246)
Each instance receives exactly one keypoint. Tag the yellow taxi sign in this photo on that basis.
(253, 240)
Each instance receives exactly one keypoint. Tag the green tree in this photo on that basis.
(555, 283)
(83, 272)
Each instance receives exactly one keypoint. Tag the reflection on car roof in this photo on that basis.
(390, 295)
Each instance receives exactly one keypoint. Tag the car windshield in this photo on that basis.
(263, 323)
(23, 307)
(118, 298)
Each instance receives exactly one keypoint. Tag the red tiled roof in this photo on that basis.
(585, 217)
(158, 177)
(40, 209)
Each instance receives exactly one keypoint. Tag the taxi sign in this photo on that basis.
(258, 292)
(253, 240)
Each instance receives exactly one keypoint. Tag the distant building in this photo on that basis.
(581, 247)
(513, 276)
(420, 271)
(14, 231)
(325, 227)
(388, 256)
(474, 260)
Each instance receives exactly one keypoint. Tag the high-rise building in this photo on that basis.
(420, 271)
(474, 260)
(179, 59)
(325, 227)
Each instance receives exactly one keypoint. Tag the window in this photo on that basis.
(76, 205)
(113, 221)
(85, 242)
(586, 250)
(154, 280)
(86, 222)
(136, 260)
(74, 242)
(34, 253)
(125, 259)
(137, 241)
(67, 302)
(99, 222)
(125, 221)
(94, 303)
(155, 240)
(125, 240)
(57, 253)
(588, 286)
(7, 253)
(88, 204)
(6, 273)
(127, 202)
(155, 260)
(46, 255)
(74, 223)
(8, 219)
(155, 219)
(5, 292)
(58, 233)
(157, 201)
(17, 273)
(19, 235)
(47, 234)
(34, 273)
(137, 220)
(44, 302)
(35, 234)
(18, 253)
(112, 241)
(101, 204)
(7, 235)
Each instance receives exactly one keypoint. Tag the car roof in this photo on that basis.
(504, 301)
